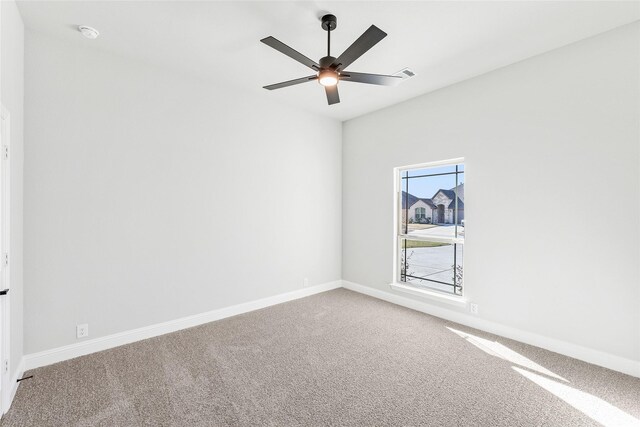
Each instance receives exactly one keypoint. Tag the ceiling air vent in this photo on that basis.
(405, 73)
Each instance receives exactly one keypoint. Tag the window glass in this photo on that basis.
(431, 216)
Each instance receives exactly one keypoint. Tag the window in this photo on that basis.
(430, 243)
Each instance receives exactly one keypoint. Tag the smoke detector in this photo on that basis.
(88, 32)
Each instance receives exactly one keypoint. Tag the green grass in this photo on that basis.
(421, 244)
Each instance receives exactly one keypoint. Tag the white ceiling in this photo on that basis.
(443, 42)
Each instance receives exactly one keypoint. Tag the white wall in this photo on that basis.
(150, 196)
(560, 129)
(11, 96)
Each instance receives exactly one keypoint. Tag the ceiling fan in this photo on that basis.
(330, 70)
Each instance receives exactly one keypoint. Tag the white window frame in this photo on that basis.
(398, 236)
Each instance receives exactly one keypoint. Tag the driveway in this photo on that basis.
(439, 231)
(433, 263)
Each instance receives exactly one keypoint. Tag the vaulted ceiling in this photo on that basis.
(442, 42)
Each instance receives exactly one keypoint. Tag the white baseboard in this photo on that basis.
(48, 357)
(14, 386)
(596, 357)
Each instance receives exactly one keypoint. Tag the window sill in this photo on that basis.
(433, 295)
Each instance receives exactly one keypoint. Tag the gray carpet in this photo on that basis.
(336, 358)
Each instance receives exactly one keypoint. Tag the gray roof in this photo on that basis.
(460, 190)
(452, 192)
(452, 205)
(407, 202)
(451, 195)
(429, 202)
(412, 200)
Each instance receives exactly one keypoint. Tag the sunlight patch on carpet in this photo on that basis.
(496, 349)
(590, 405)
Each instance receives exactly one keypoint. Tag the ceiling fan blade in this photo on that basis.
(290, 52)
(372, 79)
(365, 42)
(291, 82)
(332, 94)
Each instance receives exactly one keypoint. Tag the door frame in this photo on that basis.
(441, 214)
(5, 277)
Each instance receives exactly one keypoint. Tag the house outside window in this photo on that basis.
(430, 228)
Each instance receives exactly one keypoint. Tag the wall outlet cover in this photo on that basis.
(82, 330)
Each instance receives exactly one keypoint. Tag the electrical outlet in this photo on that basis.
(305, 282)
(5, 366)
(82, 331)
(473, 308)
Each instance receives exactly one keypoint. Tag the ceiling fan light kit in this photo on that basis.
(330, 70)
(328, 78)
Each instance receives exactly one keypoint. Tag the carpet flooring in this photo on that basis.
(338, 358)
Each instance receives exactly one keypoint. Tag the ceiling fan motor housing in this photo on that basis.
(329, 22)
(326, 62)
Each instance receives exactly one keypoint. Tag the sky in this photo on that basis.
(426, 187)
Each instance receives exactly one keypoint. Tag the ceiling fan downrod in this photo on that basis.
(329, 22)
